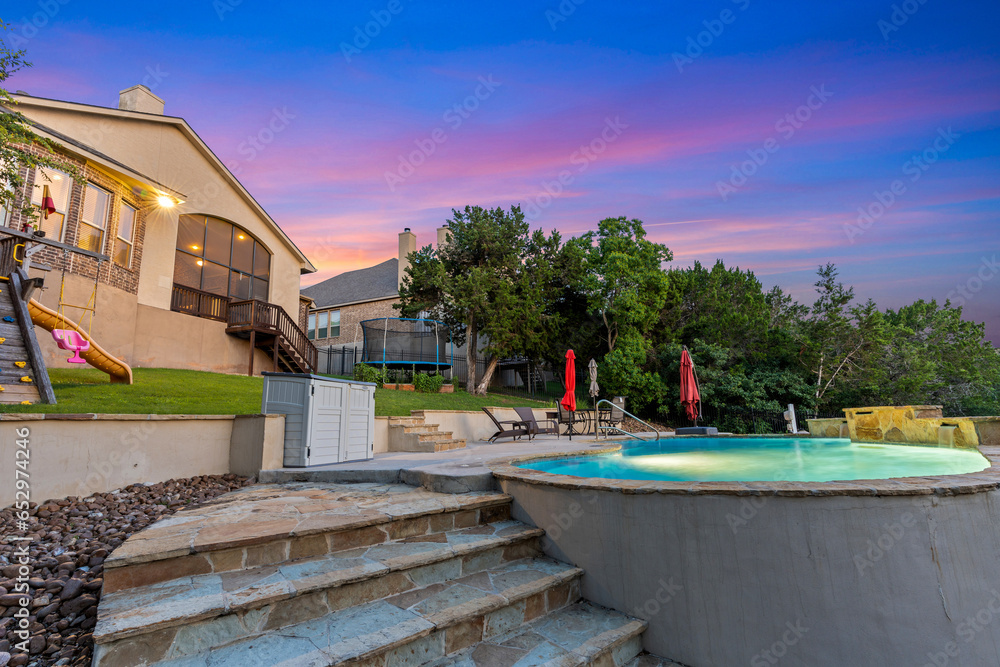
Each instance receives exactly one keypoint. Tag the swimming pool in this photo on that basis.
(764, 459)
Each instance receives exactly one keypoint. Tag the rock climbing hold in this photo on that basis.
(20, 364)
(26, 379)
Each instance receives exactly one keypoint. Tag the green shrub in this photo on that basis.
(367, 373)
(428, 384)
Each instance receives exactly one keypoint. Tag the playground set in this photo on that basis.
(23, 374)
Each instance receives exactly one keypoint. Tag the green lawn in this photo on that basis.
(167, 391)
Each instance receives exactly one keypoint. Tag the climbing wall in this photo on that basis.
(17, 376)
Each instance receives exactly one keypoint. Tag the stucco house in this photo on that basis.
(197, 275)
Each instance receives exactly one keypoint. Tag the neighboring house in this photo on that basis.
(342, 302)
(184, 240)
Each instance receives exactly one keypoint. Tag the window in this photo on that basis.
(60, 187)
(311, 333)
(218, 257)
(94, 220)
(324, 325)
(126, 230)
(334, 323)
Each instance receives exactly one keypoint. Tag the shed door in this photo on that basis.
(360, 423)
(326, 422)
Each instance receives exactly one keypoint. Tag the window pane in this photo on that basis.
(123, 253)
(95, 207)
(91, 238)
(261, 262)
(52, 226)
(311, 334)
(260, 289)
(126, 222)
(187, 271)
(60, 186)
(191, 234)
(334, 323)
(322, 323)
(218, 241)
(242, 251)
(215, 279)
(239, 285)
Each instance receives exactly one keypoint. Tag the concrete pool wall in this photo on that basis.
(893, 572)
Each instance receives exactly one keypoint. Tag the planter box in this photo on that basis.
(399, 387)
(447, 389)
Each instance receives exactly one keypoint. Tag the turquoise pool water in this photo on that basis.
(764, 459)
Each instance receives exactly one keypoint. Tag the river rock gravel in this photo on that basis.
(70, 538)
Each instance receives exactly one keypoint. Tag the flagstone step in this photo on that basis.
(271, 524)
(413, 434)
(292, 590)
(650, 660)
(581, 634)
(412, 628)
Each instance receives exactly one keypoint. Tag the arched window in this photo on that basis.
(218, 257)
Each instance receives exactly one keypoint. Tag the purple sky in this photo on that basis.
(680, 128)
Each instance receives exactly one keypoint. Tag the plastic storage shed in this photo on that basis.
(326, 420)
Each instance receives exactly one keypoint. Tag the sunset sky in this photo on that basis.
(742, 130)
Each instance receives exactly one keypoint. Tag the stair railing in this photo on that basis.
(609, 427)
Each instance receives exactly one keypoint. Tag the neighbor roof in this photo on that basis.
(371, 284)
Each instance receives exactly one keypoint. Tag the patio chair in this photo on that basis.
(507, 428)
(571, 419)
(527, 415)
(611, 417)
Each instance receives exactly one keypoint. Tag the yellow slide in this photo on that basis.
(96, 356)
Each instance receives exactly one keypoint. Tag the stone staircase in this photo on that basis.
(365, 574)
(414, 434)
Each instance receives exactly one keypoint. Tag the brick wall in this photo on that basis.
(124, 278)
(350, 316)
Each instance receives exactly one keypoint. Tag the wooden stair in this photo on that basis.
(326, 574)
(15, 350)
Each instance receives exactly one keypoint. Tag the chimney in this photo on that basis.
(140, 98)
(407, 244)
(443, 233)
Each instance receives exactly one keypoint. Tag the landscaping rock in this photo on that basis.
(70, 539)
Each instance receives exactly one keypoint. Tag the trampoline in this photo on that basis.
(400, 342)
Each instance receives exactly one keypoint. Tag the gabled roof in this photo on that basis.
(371, 284)
(185, 129)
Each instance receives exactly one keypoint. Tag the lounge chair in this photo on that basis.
(610, 419)
(527, 415)
(507, 428)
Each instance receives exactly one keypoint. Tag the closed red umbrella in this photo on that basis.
(689, 387)
(569, 400)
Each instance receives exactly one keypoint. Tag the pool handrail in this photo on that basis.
(609, 427)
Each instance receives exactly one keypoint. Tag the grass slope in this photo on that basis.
(167, 391)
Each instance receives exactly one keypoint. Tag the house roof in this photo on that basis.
(371, 284)
(186, 130)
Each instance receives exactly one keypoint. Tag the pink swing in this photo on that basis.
(68, 339)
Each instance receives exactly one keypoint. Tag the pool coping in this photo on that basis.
(942, 485)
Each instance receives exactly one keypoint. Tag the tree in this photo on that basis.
(490, 284)
(16, 140)
(840, 339)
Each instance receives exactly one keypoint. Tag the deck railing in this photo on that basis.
(199, 303)
(268, 317)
